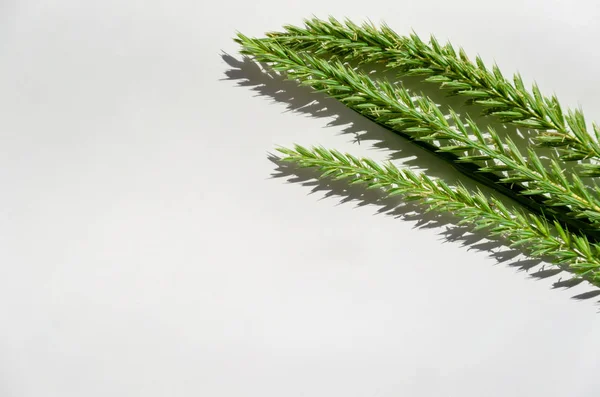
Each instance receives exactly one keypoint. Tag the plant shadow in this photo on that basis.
(303, 100)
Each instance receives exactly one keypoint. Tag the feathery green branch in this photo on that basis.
(530, 232)
(512, 102)
(504, 167)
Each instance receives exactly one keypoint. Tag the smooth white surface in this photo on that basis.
(145, 250)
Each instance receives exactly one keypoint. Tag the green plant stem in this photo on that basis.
(533, 234)
(420, 120)
(512, 102)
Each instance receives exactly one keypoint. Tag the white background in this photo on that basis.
(146, 250)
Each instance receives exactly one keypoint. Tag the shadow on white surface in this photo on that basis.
(304, 100)
(300, 99)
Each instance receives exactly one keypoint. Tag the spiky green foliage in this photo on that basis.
(481, 154)
(451, 68)
(532, 233)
